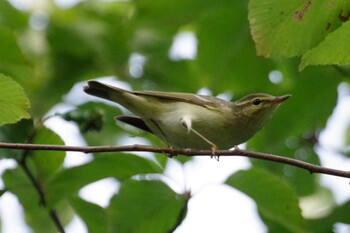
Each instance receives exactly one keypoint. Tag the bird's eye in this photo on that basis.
(256, 101)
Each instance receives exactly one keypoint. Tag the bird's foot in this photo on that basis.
(214, 149)
(171, 152)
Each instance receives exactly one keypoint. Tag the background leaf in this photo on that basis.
(36, 216)
(275, 200)
(120, 166)
(47, 163)
(152, 207)
(94, 216)
(13, 101)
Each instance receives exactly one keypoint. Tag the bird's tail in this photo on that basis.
(108, 92)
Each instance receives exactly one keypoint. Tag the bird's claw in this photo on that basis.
(171, 152)
(214, 149)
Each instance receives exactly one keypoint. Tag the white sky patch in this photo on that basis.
(12, 216)
(203, 177)
(23, 5)
(131, 140)
(219, 208)
(76, 226)
(225, 96)
(204, 91)
(184, 47)
(69, 133)
(100, 192)
(66, 3)
(331, 141)
(5, 165)
(39, 20)
(275, 76)
(136, 64)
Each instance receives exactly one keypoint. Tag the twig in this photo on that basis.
(186, 152)
(52, 213)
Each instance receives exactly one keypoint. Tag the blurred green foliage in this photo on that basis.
(96, 38)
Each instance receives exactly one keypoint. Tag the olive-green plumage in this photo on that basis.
(192, 121)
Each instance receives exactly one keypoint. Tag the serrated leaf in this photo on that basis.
(334, 50)
(274, 198)
(118, 165)
(290, 27)
(145, 207)
(14, 103)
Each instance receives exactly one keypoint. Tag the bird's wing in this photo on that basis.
(134, 121)
(201, 100)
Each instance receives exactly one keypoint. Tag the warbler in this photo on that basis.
(185, 120)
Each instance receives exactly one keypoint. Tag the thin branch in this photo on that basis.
(186, 152)
(37, 186)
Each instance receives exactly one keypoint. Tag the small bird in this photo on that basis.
(185, 120)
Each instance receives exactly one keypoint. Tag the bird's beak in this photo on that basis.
(280, 99)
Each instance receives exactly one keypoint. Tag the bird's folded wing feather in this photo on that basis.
(201, 100)
(134, 121)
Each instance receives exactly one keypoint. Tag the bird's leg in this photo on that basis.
(186, 122)
(171, 153)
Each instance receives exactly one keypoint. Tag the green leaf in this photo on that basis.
(47, 162)
(290, 27)
(146, 207)
(326, 224)
(106, 135)
(12, 61)
(94, 216)
(2, 191)
(11, 17)
(19, 132)
(13, 101)
(86, 119)
(170, 15)
(226, 53)
(274, 198)
(334, 50)
(36, 215)
(118, 165)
